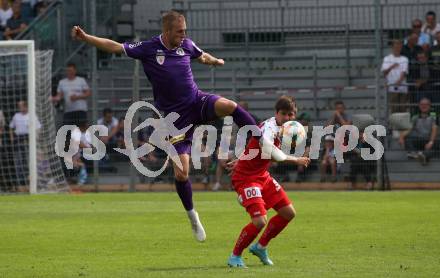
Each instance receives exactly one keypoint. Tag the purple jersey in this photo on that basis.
(169, 71)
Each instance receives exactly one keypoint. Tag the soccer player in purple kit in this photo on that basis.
(167, 64)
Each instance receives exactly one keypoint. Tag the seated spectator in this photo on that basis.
(16, 24)
(424, 40)
(340, 117)
(112, 125)
(395, 69)
(83, 139)
(328, 159)
(431, 27)
(420, 140)
(5, 14)
(359, 166)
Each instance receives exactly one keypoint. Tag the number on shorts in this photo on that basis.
(252, 192)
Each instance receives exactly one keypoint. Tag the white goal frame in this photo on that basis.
(31, 100)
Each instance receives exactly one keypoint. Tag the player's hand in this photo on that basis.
(230, 165)
(429, 145)
(78, 33)
(402, 141)
(74, 98)
(303, 161)
(219, 62)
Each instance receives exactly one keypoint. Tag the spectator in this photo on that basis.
(83, 139)
(340, 117)
(5, 14)
(359, 166)
(410, 49)
(16, 24)
(422, 87)
(328, 159)
(420, 140)
(424, 40)
(112, 125)
(304, 119)
(19, 137)
(395, 69)
(75, 91)
(431, 26)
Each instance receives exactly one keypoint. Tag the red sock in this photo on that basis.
(274, 227)
(247, 235)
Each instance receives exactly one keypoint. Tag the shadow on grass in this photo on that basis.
(188, 268)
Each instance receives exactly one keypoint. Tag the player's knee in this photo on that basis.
(225, 107)
(289, 214)
(259, 222)
(181, 175)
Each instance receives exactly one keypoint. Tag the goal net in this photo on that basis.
(27, 121)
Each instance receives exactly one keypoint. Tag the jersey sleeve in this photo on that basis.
(385, 64)
(60, 87)
(84, 85)
(194, 51)
(76, 135)
(136, 50)
(12, 123)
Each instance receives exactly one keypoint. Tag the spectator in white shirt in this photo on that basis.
(5, 14)
(19, 136)
(83, 138)
(75, 91)
(112, 125)
(395, 70)
(431, 27)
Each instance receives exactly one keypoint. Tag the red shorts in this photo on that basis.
(263, 191)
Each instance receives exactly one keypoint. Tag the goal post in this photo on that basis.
(26, 75)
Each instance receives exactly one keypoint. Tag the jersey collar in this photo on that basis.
(161, 41)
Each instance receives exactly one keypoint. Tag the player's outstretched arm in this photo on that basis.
(208, 59)
(300, 161)
(106, 45)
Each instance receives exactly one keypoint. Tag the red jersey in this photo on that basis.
(257, 167)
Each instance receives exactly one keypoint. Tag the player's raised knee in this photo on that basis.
(224, 107)
(181, 175)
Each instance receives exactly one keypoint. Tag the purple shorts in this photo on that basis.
(199, 112)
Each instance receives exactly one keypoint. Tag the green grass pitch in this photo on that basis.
(335, 234)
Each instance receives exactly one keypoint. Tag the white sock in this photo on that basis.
(191, 213)
(259, 246)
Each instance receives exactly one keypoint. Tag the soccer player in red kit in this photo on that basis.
(258, 191)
